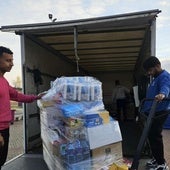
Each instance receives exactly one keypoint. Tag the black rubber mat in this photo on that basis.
(26, 162)
(131, 132)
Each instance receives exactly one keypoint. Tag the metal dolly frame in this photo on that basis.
(135, 162)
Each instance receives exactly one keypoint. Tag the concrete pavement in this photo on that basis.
(16, 146)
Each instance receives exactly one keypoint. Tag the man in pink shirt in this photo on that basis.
(8, 93)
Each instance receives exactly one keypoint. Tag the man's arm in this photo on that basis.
(164, 87)
(20, 97)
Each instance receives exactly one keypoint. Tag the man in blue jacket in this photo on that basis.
(159, 89)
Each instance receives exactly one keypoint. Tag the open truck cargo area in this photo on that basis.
(108, 48)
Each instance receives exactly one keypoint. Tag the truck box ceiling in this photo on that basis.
(104, 44)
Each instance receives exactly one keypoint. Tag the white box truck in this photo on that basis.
(108, 48)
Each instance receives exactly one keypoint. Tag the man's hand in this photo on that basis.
(40, 95)
(159, 97)
(1, 141)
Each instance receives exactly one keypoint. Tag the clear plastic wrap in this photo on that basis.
(77, 109)
(72, 113)
(70, 141)
(74, 89)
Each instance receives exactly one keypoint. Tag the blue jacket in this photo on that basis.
(160, 84)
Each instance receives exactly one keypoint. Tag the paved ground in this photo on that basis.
(16, 142)
(166, 135)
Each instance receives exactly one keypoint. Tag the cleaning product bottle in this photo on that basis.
(70, 153)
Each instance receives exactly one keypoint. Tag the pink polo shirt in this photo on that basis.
(8, 93)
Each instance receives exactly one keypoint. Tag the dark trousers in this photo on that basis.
(121, 106)
(4, 149)
(155, 136)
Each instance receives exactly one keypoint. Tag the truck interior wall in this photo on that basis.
(48, 63)
(144, 54)
(108, 82)
(51, 67)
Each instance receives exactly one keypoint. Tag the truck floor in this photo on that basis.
(26, 162)
(36, 162)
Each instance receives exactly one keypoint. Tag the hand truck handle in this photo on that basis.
(144, 135)
(149, 99)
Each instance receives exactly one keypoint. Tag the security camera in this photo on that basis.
(50, 16)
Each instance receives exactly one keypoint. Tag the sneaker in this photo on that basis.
(152, 163)
(161, 167)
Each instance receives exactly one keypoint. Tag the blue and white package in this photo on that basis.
(71, 109)
(96, 92)
(71, 91)
(83, 92)
(74, 89)
(77, 109)
(92, 120)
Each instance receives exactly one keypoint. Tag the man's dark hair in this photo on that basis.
(5, 50)
(151, 62)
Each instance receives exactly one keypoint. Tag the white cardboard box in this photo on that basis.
(107, 155)
(104, 134)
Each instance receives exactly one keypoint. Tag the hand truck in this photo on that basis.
(143, 138)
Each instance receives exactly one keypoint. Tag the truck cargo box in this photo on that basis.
(108, 48)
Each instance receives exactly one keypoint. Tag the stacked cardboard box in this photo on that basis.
(77, 132)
